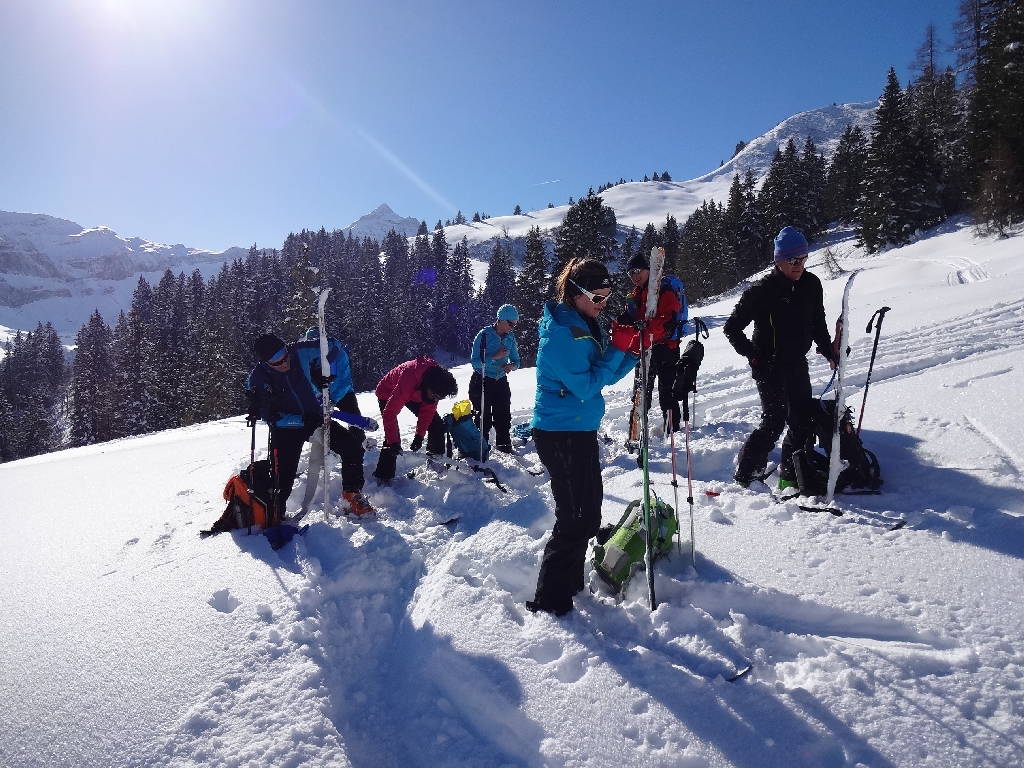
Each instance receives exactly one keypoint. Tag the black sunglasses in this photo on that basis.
(635, 271)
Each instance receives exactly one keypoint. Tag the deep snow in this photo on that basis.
(129, 640)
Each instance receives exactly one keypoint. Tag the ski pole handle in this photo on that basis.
(880, 314)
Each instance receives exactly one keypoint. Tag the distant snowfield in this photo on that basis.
(128, 640)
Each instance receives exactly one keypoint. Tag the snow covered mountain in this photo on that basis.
(128, 640)
(381, 220)
(639, 203)
(55, 270)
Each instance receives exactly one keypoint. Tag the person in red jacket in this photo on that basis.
(665, 352)
(417, 385)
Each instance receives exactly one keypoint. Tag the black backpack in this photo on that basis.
(863, 472)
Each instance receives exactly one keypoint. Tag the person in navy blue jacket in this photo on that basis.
(498, 345)
(284, 391)
(575, 361)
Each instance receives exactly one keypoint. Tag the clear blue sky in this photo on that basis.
(227, 122)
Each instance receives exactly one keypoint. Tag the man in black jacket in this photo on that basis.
(788, 315)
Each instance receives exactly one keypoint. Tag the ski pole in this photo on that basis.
(880, 314)
(483, 376)
(689, 480)
(644, 452)
(675, 482)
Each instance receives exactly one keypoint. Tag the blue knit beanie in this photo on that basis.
(790, 244)
(508, 312)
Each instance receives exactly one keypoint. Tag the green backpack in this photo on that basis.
(626, 542)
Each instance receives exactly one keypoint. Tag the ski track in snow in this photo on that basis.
(405, 641)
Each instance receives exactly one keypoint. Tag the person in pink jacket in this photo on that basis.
(417, 385)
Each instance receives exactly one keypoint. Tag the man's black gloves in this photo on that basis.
(316, 376)
(251, 419)
(417, 443)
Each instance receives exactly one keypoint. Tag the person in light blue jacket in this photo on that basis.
(575, 361)
(495, 355)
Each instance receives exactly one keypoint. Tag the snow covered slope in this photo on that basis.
(404, 642)
(55, 270)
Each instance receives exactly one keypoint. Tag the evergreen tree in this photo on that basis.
(134, 365)
(531, 293)
(670, 242)
(221, 347)
(461, 299)
(845, 177)
(300, 309)
(7, 447)
(753, 240)
(810, 216)
(518, 211)
(367, 337)
(424, 296)
(996, 118)
(899, 190)
(587, 231)
(500, 282)
(92, 390)
(781, 194)
(702, 245)
(398, 297)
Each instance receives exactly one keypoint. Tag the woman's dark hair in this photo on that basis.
(586, 273)
(440, 381)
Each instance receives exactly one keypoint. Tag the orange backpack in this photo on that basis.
(248, 496)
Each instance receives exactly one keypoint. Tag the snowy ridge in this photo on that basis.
(405, 642)
(53, 270)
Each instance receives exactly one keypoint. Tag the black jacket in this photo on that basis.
(787, 316)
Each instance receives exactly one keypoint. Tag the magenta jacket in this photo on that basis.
(399, 386)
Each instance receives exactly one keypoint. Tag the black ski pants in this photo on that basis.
(785, 391)
(663, 369)
(347, 442)
(498, 405)
(572, 460)
(436, 432)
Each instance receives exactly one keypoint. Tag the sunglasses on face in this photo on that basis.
(796, 260)
(635, 271)
(511, 323)
(278, 359)
(594, 297)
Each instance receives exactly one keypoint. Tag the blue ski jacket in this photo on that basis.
(290, 399)
(492, 342)
(572, 368)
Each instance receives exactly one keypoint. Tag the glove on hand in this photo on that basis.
(625, 338)
(417, 443)
(624, 318)
(316, 376)
(251, 419)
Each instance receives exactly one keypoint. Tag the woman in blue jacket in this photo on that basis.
(495, 355)
(575, 361)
